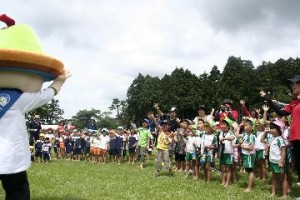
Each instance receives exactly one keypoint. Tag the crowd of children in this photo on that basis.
(256, 145)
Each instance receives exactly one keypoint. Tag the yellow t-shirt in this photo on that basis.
(162, 141)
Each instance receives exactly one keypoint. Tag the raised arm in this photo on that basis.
(158, 127)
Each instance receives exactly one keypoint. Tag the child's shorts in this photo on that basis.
(103, 152)
(274, 167)
(96, 151)
(46, 156)
(38, 153)
(190, 156)
(131, 150)
(115, 152)
(248, 161)
(92, 150)
(62, 145)
(179, 157)
(226, 159)
(77, 151)
(86, 150)
(207, 158)
(69, 150)
(260, 154)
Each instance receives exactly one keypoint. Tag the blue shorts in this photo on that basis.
(115, 152)
(77, 151)
(131, 150)
(69, 150)
(38, 153)
(46, 156)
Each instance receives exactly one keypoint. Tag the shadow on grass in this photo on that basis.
(58, 198)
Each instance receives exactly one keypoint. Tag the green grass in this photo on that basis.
(63, 180)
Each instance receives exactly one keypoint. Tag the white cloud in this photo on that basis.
(107, 43)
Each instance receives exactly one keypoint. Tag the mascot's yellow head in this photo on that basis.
(23, 65)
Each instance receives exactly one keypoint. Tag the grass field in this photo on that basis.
(63, 180)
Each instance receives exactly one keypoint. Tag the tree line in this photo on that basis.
(185, 90)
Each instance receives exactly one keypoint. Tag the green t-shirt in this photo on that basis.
(144, 135)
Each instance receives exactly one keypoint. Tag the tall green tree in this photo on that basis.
(83, 117)
(50, 113)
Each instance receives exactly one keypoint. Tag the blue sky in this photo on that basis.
(106, 44)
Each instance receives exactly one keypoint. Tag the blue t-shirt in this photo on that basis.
(39, 145)
(131, 141)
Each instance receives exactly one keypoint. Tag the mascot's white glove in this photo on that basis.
(59, 81)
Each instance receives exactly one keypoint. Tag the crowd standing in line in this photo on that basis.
(257, 144)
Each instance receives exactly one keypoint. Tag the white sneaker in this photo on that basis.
(298, 183)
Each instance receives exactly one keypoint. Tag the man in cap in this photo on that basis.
(171, 117)
(34, 129)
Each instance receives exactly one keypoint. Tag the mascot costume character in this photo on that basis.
(23, 70)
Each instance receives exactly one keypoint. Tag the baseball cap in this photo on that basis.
(294, 79)
(165, 122)
(228, 121)
(279, 125)
(146, 120)
(252, 121)
(104, 130)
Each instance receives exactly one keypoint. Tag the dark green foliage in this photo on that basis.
(185, 90)
(50, 113)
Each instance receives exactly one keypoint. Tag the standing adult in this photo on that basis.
(226, 111)
(171, 117)
(14, 148)
(92, 125)
(35, 127)
(202, 115)
(293, 109)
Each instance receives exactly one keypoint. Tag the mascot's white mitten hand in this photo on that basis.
(59, 81)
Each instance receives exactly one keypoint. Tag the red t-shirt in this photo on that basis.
(294, 109)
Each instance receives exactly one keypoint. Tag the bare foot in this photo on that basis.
(272, 195)
(284, 197)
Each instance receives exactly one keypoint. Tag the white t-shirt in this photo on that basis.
(258, 144)
(228, 144)
(104, 140)
(208, 140)
(97, 142)
(247, 141)
(198, 141)
(275, 149)
(190, 144)
(14, 148)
